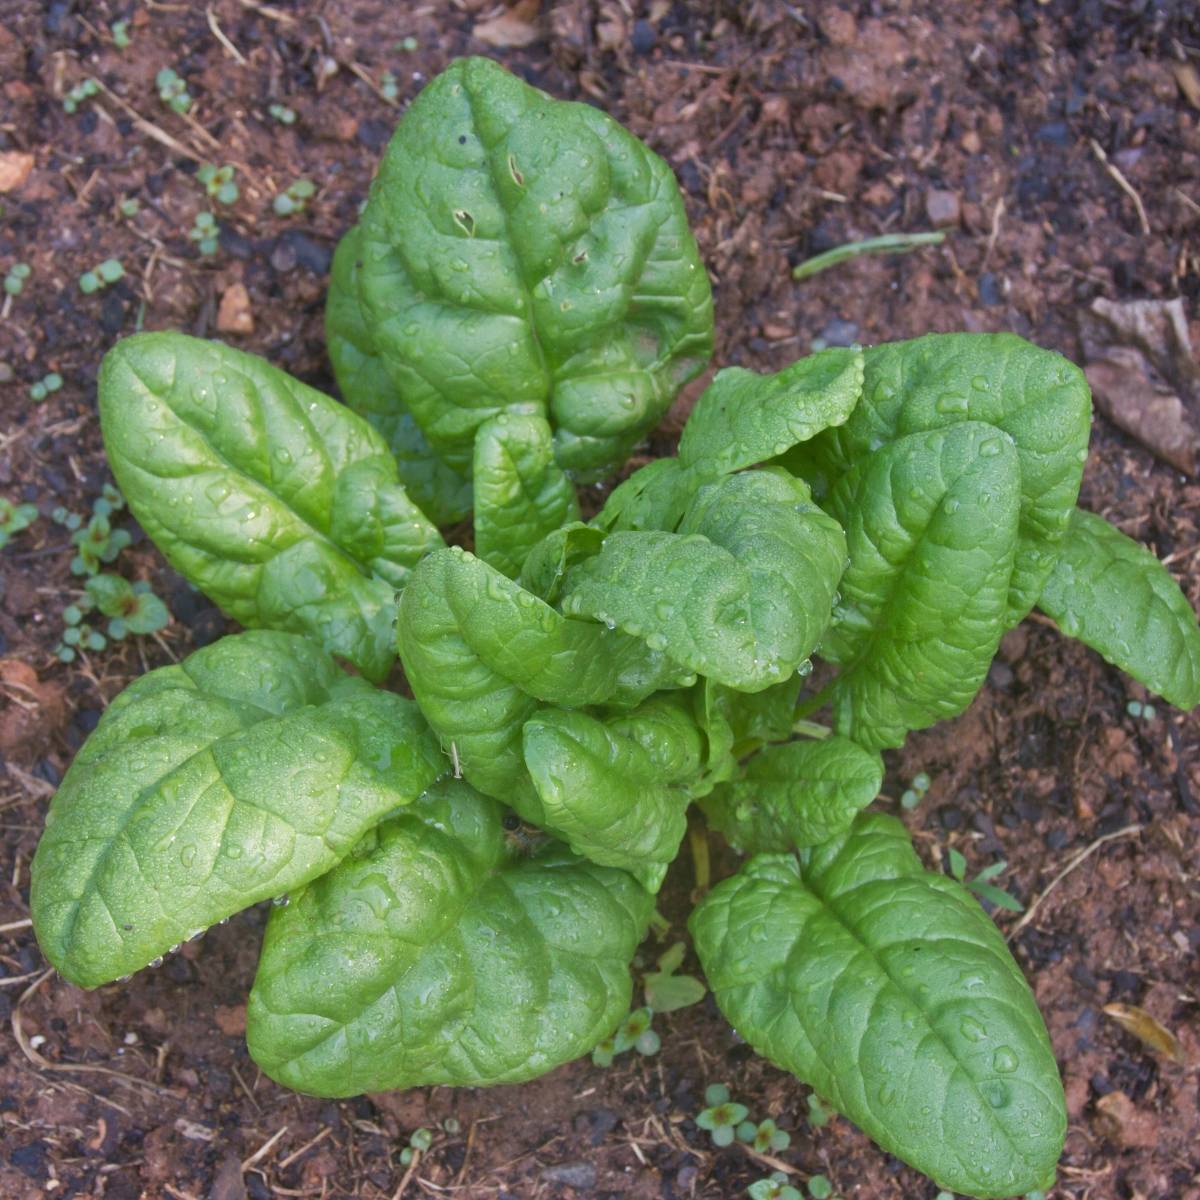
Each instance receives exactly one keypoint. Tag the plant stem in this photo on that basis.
(890, 243)
(812, 729)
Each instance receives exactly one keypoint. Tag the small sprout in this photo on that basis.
(981, 884)
(909, 799)
(120, 34)
(172, 90)
(134, 609)
(774, 1187)
(406, 1156)
(604, 1053)
(1137, 709)
(388, 86)
(722, 1116)
(282, 114)
(916, 790)
(205, 232)
(64, 653)
(72, 614)
(109, 271)
(819, 1187)
(295, 198)
(451, 1125)
(98, 543)
(421, 1139)
(635, 1033)
(763, 1137)
(95, 641)
(409, 43)
(666, 991)
(130, 207)
(944, 1196)
(66, 518)
(89, 282)
(78, 94)
(218, 182)
(818, 1114)
(14, 518)
(14, 281)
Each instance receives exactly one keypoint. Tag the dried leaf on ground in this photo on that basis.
(516, 27)
(1147, 1030)
(15, 166)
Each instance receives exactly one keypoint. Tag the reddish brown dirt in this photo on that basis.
(792, 128)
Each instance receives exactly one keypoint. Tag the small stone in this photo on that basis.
(971, 142)
(234, 315)
(989, 290)
(839, 332)
(643, 37)
(941, 207)
(15, 166)
(573, 1174)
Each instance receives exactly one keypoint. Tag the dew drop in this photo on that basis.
(996, 1093)
(951, 404)
(990, 448)
(281, 901)
(187, 855)
(1004, 1060)
(972, 1030)
(155, 962)
(805, 668)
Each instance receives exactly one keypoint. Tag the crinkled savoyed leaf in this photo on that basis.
(757, 717)
(888, 990)
(741, 593)
(744, 418)
(654, 497)
(482, 655)
(244, 771)
(441, 493)
(931, 525)
(798, 794)
(521, 493)
(276, 501)
(1037, 397)
(606, 787)
(436, 955)
(523, 253)
(1115, 596)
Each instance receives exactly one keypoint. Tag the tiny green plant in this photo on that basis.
(97, 543)
(765, 1137)
(14, 518)
(120, 34)
(206, 233)
(666, 990)
(133, 608)
(52, 381)
(218, 182)
(1141, 710)
(388, 86)
(982, 884)
(774, 1187)
(14, 281)
(130, 207)
(819, 1114)
(505, 324)
(295, 198)
(915, 792)
(282, 113)
(819, 1187)
(80, 94)
(172, 90)
(101, 276)
(722, 1116)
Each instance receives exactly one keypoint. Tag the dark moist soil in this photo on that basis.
(792, 127)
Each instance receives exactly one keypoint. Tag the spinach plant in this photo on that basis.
(517, 307)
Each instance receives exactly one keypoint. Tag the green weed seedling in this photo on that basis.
(218, 182)
(80, 94)
(295, 199)
(206, 233)
(915, 792)
(667, 991)
(389, 87)
(120, 35)
(634, 1033)
(774, 1187)
(765, 1137)
(721, 1116)
(282, 114)
(172, 91)
(506, 323)
(981, 884)
(52, 381)
(14, 518)
(101, 276)
(14, 281)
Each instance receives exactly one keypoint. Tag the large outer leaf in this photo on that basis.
(889, 991)
(436, 956)
(1037, 397)
(1114, 595)
(744, 418)
(741, 593)
(606, 787)
(482, 655)
(244, 771)
(524, 253)
(276, 501)
(798, 794)
(931, 525)
(436, 489)
(521, 493)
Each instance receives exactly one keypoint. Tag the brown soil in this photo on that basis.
(792, 128)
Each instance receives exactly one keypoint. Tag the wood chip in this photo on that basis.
(15, 166)
(516, 27)
(1189, 82)
(235, 314)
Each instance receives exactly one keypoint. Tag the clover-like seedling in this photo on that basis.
(665, 990)
(50, 382)
(97, 543)
(419, 1141)
(218, 182)
(172, 90)
(14, 281)
(129, 207)
(282, 114)
(818, 1114)
(1141, 710)
(981, 884)
(763, 1137)
(81, 92)
(205, 232)
(14, 518)
(100, 276)
(722, 1116)
(634, 1033)
(774, 1187)
(134, 608)
(295, 198)
(70, 521)
(916, 790)
(109, 501)
(120, 34)
(389, 88)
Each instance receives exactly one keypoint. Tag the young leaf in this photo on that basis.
(931, 525)
(436, 489)
(798, 794)
(608, 795)
(277, 502)
(434, 955)
(654, 497)
(482, 655)
(742, 592)
(667, 992)
(546, 565)
(1036, 397)
(527, 254)
(743, 419)
(1115, 596)
(521, 493)
(111, 594)
(757, 717)
(888, 990)
(243, 772)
